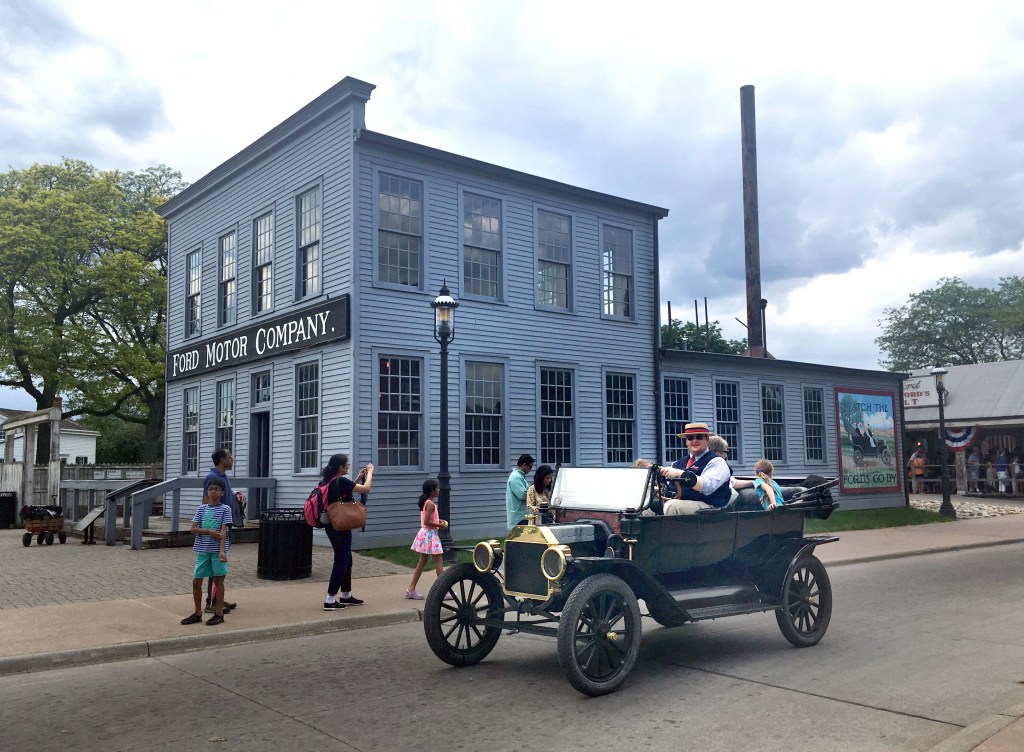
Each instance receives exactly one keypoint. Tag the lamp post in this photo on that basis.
(444, 306)
(947, 506)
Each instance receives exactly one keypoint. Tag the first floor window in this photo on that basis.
(727, 414)
(483, 413)
(400, 411)
(225, 415)
(190, 432)
(307, 416)
(677, 415)
(772, 422)
(814, 424)
(620, 417)
(261, 388)
(556, 416)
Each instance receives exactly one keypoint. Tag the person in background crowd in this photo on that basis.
(973, 469)
(515, 491)
(235, 501)
(539, 492)
(1003, 471)
(427, 541)
(341, 488)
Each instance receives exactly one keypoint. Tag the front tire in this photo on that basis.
(452, 627)
(599, 634)
(806, 603)
(858, 456)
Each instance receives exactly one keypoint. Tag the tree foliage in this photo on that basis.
(707, 338)
(83, 271)
(955, 324)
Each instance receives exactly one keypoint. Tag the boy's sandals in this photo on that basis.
(214, 620)
(192, 619)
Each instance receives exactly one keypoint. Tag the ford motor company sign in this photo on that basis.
(920, 392)
(298, 330)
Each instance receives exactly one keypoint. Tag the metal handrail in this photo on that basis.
(140, 518)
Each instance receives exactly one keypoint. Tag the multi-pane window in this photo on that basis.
(814, 424)
(554, 255)
(307, 416)
(400, 233)
(225, 414)
(400, 412)
(772, 422)
(263, 263)
(617, 272)
(193, 303)
(483, 413)
(261, 388)
(556, 416)
(481, 249)
(677, 415)
(309, 243)
(190, 431)
(226, 292)
(620, 417)
(727, 414)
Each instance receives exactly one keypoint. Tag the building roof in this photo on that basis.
(772, 365)
(66, 425)
(981, 394)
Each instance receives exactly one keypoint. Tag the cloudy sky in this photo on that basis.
(890, 136)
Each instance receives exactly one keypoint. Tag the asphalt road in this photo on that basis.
(917, 649)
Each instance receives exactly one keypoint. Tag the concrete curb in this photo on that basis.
(974, 735)
(23, 664)
(921, 552)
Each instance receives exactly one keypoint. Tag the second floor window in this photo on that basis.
(481, 249)
(225, 414)
(772, 422)
(227, 291)
(617, 272)
(263, 263)
(309, 244)
(193, 290)
(554, 254)
(400, 233)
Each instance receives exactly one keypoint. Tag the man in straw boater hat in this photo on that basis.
(705, 477)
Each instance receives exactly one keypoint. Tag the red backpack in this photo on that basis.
(316, 504)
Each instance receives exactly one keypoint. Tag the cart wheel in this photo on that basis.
(40, 538)
(453, 627)
(49, 539)
(27, 539)
(62, 537)
(806, 603)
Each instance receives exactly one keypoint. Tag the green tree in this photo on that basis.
(955, 324)
(119, 442)
(708, 338)
(83, 270)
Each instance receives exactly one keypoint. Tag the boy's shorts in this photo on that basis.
(209, 565)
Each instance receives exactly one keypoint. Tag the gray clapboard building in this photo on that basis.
(301, 273)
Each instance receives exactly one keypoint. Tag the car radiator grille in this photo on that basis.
(522, 569)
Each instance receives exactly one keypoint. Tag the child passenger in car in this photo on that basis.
(768, 491)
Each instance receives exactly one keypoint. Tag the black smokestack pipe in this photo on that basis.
(751, 243)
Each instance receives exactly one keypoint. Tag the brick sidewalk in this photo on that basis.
(72, 573)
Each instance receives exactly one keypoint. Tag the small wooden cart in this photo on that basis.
(44, 529)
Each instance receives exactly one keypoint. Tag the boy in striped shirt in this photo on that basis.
(210, 527)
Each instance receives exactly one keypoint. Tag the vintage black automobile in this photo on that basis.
(603, 546)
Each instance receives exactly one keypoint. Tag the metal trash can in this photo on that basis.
(8, 509)
(286, 545)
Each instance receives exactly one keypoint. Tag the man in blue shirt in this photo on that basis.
(515, 491)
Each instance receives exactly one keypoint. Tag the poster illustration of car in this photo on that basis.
(867, 441)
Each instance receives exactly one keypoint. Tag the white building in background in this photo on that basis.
(77, 443)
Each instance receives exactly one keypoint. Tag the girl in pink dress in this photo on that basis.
(427, 541)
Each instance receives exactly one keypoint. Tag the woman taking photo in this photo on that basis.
(539, 492)
(341, 488)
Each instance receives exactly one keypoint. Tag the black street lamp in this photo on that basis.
(444, 306)
(947, 506)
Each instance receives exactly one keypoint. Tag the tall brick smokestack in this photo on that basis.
(751, 242)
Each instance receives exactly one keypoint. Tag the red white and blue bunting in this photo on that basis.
(958, 439)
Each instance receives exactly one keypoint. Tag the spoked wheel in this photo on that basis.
(453, 627)
(599, 634)
(806, 603)
(886, 457)
(858, 456)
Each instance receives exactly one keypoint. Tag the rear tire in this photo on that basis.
(806, 603)
(26, 539)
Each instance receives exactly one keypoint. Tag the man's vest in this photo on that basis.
(717, 498)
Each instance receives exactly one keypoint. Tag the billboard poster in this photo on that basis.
(867, 441)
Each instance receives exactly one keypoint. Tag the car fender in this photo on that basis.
(644, 586)
(779, 568)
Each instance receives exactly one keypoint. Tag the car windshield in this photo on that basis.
(601, 488)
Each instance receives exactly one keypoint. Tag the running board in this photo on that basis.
(734, 609)
(701, 598)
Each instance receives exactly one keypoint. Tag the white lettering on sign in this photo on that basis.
(291, 332)
(184, 362)
(228, 349)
